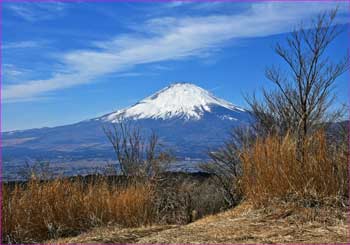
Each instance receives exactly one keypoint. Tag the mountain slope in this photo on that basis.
(188, 119)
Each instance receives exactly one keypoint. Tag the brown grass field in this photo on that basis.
(59, 208)
(283, 201)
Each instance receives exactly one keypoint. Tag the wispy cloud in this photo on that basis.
(12, 73)
(12, 70)
(197, 5)
(211, 5)
(31, 11)
(175, 4)
(168, 38)
(22, 44)
(161, 67)
(131, 74)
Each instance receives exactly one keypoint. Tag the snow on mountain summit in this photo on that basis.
(179, 100)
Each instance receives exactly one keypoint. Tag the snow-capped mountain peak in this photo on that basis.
(179, 100)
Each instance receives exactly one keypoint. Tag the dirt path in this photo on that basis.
(240, 225)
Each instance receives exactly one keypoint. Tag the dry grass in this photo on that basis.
(57, 208)
(243, 224)
(42, 210)
(274, 180)
(112, 235)
(272, 170)
(247, 224)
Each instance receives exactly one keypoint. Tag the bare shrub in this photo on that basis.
(37, 170)
(137, 154)
(182, 199)
(201, 198)
(225, 164)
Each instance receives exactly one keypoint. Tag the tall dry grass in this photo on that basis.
(272, 170)
(40, 211)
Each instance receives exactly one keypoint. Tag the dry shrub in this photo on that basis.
(272, 169)
(44, 210)
(182, 201)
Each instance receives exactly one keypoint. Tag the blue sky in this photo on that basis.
(66, 62)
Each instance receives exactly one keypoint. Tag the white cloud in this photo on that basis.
(168, 38)
(12, 74)
(211, 5)
(11, 70)
(196, 5)
(178, 3)
(31, 11)
(22, 44)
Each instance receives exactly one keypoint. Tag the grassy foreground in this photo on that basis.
(57, 208)
(283, 200)
(243, 224)
(36, 211)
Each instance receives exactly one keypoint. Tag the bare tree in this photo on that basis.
(137, 155)
(300, 104)
(303, 96)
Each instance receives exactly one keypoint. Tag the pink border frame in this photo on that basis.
(101, 1)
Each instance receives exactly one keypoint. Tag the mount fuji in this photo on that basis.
(188, 120)
(178, 101)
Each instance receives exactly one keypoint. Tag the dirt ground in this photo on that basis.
(242, 224)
